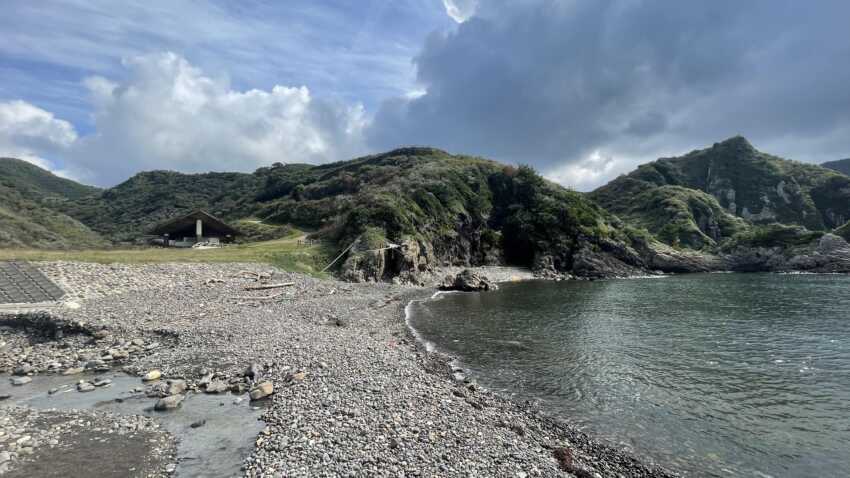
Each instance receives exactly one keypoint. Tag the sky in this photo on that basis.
(583, 90)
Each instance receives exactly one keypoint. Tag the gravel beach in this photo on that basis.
(348, 390)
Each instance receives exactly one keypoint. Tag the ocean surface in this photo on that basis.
(705, 374)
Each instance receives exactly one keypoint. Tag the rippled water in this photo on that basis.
(709, 374)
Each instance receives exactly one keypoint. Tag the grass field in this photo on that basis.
(286, 254)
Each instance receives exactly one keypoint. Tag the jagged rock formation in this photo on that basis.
(709, 195)
(467, 281)
(413, 210)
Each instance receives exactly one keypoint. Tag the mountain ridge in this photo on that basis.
(710, 209)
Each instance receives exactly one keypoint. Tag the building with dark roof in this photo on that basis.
(195, 227)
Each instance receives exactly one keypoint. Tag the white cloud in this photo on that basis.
(549, 82)
(585, 174)
(168, 114)
(460, 10)
(28, 132)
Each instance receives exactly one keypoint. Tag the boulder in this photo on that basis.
(73, 371)
(152, 375)
(254, 371)
(262, 390)
(216, 386)
(85, 387)
(175, 387)
(18, 381)
(168, 403)
(24, 369)
(468, 281)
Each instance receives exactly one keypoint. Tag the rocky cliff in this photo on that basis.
(709, 195)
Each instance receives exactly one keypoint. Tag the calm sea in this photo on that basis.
(706, 374)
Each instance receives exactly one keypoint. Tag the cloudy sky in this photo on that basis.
(582, 90)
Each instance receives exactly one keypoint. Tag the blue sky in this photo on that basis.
(356, 51)
(581, 89)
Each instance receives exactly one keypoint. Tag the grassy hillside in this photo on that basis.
(452, 209)
(30, 203)
(457, 209)
(287, 254)
(127, 211)
(842, 166)
(712, 194)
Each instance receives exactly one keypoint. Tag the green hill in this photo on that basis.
(127, 211)
(842, 166)
(444, 209)
(30, 203)
(708, 195)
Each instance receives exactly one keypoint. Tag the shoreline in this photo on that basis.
(356, 394)
(444, 366)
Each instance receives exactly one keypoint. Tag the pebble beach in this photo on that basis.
(346, 388)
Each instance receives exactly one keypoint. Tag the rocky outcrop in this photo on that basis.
(830, 253)
(468, 281)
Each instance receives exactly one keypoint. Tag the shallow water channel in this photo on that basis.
(215, 449)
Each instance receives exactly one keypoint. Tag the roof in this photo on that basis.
(182, 222)
(20, 282)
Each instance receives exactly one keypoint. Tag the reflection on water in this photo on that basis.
(710, 374)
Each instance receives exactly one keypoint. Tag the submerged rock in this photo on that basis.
(18, 381)
(168, 403)
(85, 387)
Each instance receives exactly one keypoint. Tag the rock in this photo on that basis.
(18, 381)
(4, 396)
(299, 376)
(168, 403)
(137, 342)
(85, 387)
(100, 382)
(216, 386)
(100, 334)
(73, 371)
(262, 390)
(175, 387)
(239, 388)
(157, 389)
(254, 371)
(24, 369)
(171, 468)
(198, 424)
(468, 281)
(152, 375)
(5, 456)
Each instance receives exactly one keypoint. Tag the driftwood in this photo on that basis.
(269, 286)
(262, 297)
(253, 275)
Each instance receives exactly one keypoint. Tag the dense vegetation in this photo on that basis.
(709, 195)
(457, 209)
(454, 209)
(469, 210)
(842, 166)
(127, 211)
(30, 203)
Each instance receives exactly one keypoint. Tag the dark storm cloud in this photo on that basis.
(553, 82)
